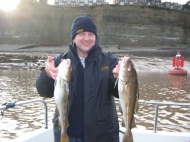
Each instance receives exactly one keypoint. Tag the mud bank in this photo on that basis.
(34, 57)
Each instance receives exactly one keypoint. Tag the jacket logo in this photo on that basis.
(79, 31)
(105, 68)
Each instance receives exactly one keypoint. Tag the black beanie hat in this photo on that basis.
(83, 23)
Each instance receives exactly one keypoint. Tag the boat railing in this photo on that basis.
(20, 103)
(157, 104)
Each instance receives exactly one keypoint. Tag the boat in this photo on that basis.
(46, 134)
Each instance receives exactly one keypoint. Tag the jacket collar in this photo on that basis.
(93, 53)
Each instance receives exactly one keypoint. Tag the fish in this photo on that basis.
(61, 96)
(128, 89)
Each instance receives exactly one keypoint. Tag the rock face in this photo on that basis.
(128, 25)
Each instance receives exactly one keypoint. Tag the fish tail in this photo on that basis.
(128, 137)
(64, 138)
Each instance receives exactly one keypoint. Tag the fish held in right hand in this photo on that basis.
(61, 95)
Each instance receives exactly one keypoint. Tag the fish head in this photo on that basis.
(126, 68)
(64, 69)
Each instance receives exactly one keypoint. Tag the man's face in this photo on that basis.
(84, 42)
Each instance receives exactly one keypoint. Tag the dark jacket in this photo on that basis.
(100, 116)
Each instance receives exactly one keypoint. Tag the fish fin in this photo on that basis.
(55, 83)
(116, 82)
(133, 123)
(120, 109)
(64, 138)
(137, 94)
(67, 123)
(123, 123)
(137, 100)
(59, 124)
(66, 85)
(136, 105)
(128, 136)
(56, 111)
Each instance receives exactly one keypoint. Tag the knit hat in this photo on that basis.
(83, 23)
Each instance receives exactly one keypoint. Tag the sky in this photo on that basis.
(9, 5)
(177, 1)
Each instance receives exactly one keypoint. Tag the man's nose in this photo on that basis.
(86, 37)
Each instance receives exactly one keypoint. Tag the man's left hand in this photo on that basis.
(115, 71)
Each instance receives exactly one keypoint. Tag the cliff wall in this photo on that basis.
(128, 25)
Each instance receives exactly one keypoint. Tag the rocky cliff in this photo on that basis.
(128, 25)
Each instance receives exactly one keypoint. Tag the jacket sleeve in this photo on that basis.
(45, 85)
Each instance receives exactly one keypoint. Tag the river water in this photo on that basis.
(154, 82)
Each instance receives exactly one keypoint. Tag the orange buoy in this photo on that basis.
(177, 64)
(177, 71)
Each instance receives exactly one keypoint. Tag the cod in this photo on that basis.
(128, 95)
(61, 95)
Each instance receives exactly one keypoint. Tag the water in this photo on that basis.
(168, 88)
(155, 85)
(19, 85)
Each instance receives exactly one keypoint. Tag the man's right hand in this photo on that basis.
(50, 69)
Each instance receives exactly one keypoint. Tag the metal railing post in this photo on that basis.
(157, 107)
(156, 118)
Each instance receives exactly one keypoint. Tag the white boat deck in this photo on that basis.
(46, 135)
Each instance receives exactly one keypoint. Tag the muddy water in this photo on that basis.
(155, 85)
(19, 85)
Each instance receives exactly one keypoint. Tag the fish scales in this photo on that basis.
(128, 95)
(61, 95)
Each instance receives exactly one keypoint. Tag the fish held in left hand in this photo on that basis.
(128, 95)
(61, 95)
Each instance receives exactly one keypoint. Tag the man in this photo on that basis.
(92, 113)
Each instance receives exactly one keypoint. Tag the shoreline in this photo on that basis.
(159, 51)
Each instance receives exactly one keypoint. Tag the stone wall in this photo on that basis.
(127, 25)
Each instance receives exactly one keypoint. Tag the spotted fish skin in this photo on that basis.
(61, 95)
(128, 89)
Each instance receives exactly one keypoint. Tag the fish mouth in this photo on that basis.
(68, 61)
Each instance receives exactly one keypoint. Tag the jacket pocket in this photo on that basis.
(105, 116)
